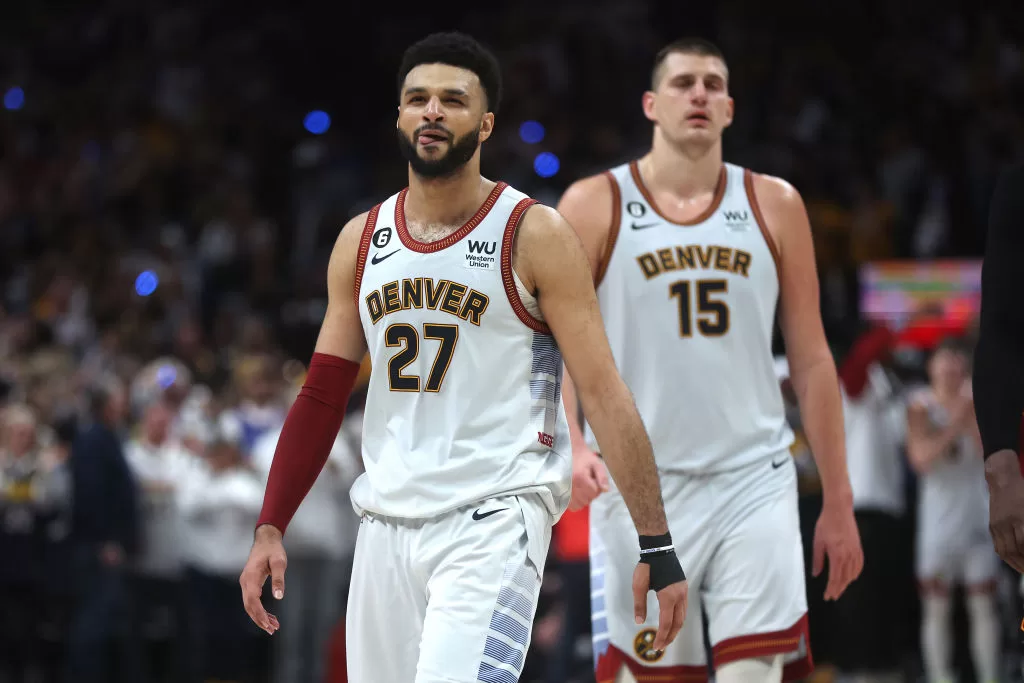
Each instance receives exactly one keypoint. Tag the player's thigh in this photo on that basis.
(482, 591)
(386, 606)
(981, 564)
(939, 556)
(754, 582)
(619, 642)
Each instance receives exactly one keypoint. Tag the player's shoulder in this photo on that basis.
(774, 189)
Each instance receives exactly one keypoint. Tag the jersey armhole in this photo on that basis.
(364, 248)
(748, 184)
(613, 230)
(507, 278)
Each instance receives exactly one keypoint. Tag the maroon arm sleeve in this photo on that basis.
(868, 349)
(307, 437)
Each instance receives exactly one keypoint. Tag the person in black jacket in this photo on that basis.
(105, 527)
(999, 366)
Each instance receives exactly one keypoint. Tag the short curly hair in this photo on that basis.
(459, 50)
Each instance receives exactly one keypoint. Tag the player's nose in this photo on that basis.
(433, 112)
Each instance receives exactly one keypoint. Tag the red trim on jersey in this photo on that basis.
(507, 278)
(611, 662)
(716, 199)
(430, 247)
(748, 184)
(364, 248)
(613, 229)
(768, 644)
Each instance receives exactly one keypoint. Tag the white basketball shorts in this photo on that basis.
(948, 554)
(738, 538)
(449, 599)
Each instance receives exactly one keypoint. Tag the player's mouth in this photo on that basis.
(432, 137)
(699, 118)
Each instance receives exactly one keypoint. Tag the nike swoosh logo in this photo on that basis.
(377, 258)
(641, 226)
(477, 516)
(777, 465)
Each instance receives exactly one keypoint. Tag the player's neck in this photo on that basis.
(686, 172)
(451, 200)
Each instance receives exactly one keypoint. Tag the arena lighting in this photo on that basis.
(146, 282)
(14, 99)
(546, 164)
(531, 132)
(317, 122)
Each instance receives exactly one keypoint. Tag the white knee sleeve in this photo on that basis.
(755, 670)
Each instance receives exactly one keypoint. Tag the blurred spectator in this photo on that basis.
(220, 502)
(260, 409)
(33, 490)
(106, 536)
(161, 468)
(872, 625)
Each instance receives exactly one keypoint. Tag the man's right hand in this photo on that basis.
(267, 558)
(1006, 507)
(672, 602)
(589, 478)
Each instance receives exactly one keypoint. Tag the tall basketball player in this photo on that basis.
(953, 542)
(691, 256)
(463, 290)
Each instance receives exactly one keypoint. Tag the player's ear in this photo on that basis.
(486, 126)
(730, 112)
(648, 105)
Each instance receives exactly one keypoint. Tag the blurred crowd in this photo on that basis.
(164, 228)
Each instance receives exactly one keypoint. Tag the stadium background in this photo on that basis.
(172, 177)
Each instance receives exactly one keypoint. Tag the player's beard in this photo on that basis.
(460, 151)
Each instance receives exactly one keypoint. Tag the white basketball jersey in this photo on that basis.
(953, 494)
(689, 311)
(464, 396)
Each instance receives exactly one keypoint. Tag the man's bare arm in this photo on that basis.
(341, 333)
(551, 261)
(588, 207)
(925, 444)
(812, 368)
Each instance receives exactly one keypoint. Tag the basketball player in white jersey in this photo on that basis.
(953, 542)
(691, 256)
(463, 290)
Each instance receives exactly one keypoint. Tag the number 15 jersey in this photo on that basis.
(689, 310)
(464, 396)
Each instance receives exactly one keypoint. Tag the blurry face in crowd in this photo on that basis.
(19, 436)
(947, 370)
(441, 119)
(690, 103)
(157, 422)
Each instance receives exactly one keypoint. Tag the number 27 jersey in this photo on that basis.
(464, 400)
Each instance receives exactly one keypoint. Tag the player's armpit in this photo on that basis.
(589, 207)
(812, 367)
(341, 333)
(549, 259)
